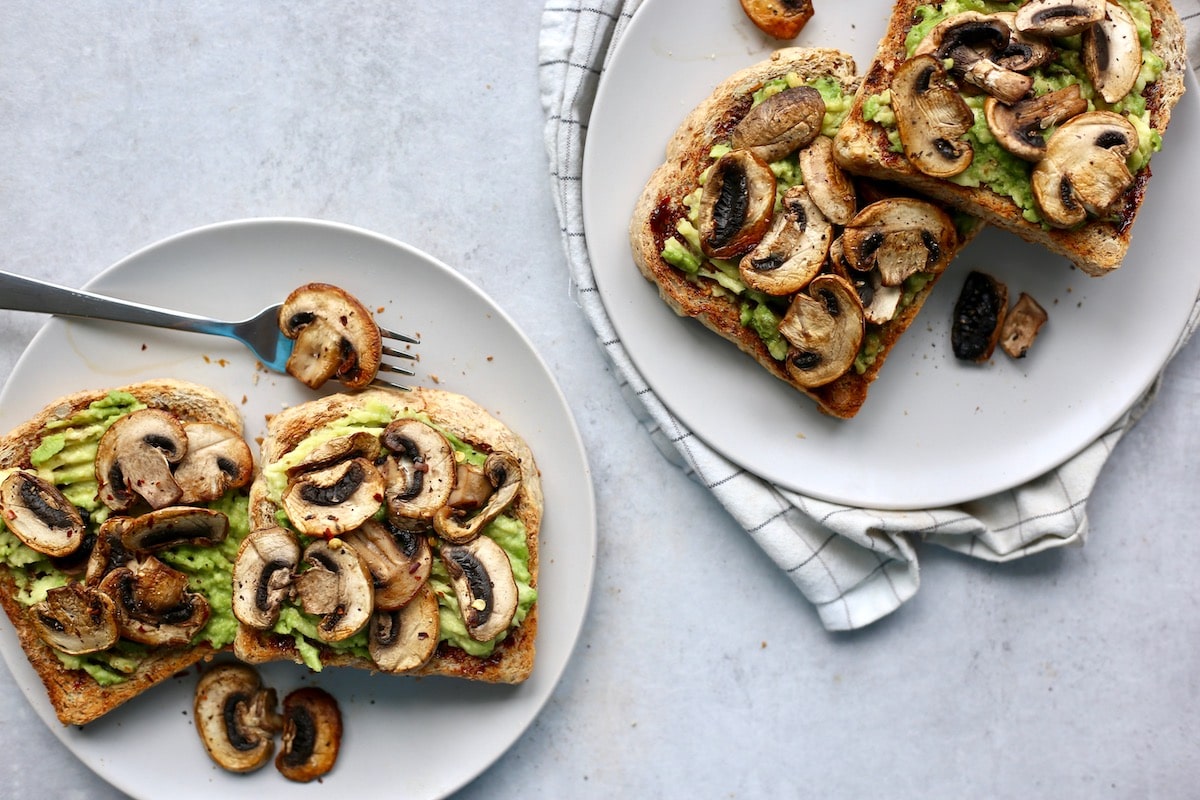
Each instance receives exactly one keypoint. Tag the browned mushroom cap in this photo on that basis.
(736, 204)
(154, 605)
(1019, 127)
(782, 19)
(170, 527)
(336, 337)
(1084, 170)
(135, 458)
(794, 249)
(1112, 53)
(399, 561)
(108, 552)
(262, 575)
(784, 122)
(336, 586)
(1021, 326)
(336, 499)
(931, 117)
(76, 619)
(483, 581)
(420, 472)
(404, 639)
(503, 471)
(978, 315)
(236, 717)
(312, 734)
(828, 186)
(39, 515)
(899, 236)
(217, 460)
(824, 326)
(1059, 17)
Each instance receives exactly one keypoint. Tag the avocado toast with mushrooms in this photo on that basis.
(395, 532)
(750, 227)
(120, 514)
(1039, 117)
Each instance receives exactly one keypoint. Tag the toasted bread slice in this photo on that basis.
(667, 205)
(78, 697)
(868, 142)
(462, 421)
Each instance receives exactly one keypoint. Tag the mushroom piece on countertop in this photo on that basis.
(135, 458)
(39, 515)
(236, 717)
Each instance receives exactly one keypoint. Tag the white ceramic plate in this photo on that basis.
(933, 431)
(422, 738)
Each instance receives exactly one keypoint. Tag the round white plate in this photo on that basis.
(934, 431)
(421, 738)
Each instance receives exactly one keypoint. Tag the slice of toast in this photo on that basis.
(1092, 229)
(298, 430)
(712, 289)
(77, 696)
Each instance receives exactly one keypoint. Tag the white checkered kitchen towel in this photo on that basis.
(854, 565)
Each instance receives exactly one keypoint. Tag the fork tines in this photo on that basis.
(394, 353)
(400, 337)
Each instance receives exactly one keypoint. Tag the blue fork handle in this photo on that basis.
(20, 293)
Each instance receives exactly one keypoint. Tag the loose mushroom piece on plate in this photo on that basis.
(217, 460)
(404, 639)
(76, 619)
(736, 204)
(236, 717)
(39, 515)
(824, 327)
(336, 337)
(337, 587)
(312, 734)
(1021, 326)
(262, 575)
(931, 117)
(483, 582)
(978, 314)
(782, 19)
(135, 458)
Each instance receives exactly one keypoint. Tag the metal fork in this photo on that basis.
(260, 333)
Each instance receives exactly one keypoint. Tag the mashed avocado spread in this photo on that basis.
(993, 166)
(508, 532)
(65, 457)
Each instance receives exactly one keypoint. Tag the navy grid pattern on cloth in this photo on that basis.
(854, 565)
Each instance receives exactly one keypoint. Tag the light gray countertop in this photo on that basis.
(700, 669)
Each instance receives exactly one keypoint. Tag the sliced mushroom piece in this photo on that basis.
(108, 552)
(471, 488)
(217, 460)
(262, 575)
(1084, 170)
(1021, 326)
(236, 717)
(1057, 18)
(1019, 127)
(883, 302)
(828, 185)
(736, 204)
(1003, 84)
(899, 236)
(931, 117)
(782, 19)
(336, 586)
(793, 250)
(76, 619)
(154, 605)
(399, 561)
(404, 639)
(1023, 51)
(503, 471)
(39, 515)
(971, 39)
(1112, 53)
(781, 124)
(333, 500)
(978, 315)
(824, 326)
(135, 459)
(312, 734)
(170, 527)
(420, 472)
(483, 582)
(336, 337)
(360, 444)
